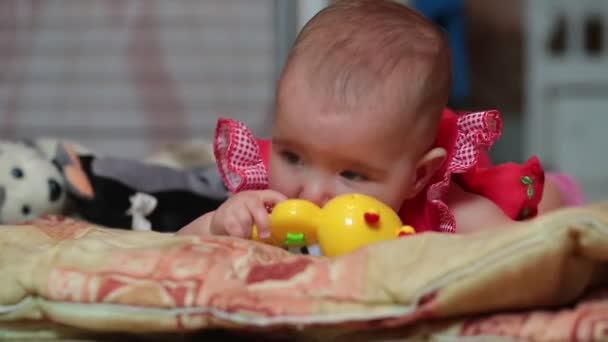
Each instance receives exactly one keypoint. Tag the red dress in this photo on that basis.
(515, 188)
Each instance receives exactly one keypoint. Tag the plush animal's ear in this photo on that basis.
(31, 143)
(76, 178)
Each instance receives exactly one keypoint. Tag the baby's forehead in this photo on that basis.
(361, 132)
(388, 115)
(355, 90)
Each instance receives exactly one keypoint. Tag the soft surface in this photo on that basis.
(532, 280)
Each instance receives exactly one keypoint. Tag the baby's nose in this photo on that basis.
(318, 195)
(318, 200)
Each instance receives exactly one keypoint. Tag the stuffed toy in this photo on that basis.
(144, 196)
(31, 184)
(114, 192)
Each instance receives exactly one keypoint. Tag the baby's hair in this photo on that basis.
(353, 45)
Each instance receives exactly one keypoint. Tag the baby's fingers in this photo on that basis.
(270, 197)
(239, 223)
(260, 218)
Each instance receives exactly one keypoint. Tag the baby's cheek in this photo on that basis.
(283, 183)
(389, 195)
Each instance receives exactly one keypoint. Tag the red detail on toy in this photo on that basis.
(404, 233)
(371, 217)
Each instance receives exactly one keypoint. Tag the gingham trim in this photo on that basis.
(477, 131)
(238, 157)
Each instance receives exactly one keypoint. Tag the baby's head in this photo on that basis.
(358, 104)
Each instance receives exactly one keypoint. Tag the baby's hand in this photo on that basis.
(239, 213)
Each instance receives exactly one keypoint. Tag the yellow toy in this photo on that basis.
(344, 223)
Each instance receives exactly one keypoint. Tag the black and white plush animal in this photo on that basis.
(31, 183)
(53, 178)
(144, 196)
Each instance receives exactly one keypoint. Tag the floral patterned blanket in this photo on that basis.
(544, 280)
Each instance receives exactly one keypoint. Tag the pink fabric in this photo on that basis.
(515, 188)
(585, 321)
(238, 157)
(519, 286)
(475, 132)
(572, 194)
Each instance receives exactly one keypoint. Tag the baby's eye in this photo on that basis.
(290, 157)
(352, 175)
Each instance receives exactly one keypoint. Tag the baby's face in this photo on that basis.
(320, 152)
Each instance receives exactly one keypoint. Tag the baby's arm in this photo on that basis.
(237, 215)
(474, 212)
(200, 226)
(552, 198)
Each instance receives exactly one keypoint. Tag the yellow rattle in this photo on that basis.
(343, 224)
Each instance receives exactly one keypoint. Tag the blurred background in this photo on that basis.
(126, 77)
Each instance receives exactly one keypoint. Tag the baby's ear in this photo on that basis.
(427, 167)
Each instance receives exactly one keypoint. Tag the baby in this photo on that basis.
(361, 107)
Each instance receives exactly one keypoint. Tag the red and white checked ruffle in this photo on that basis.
(477, 131)
(238, 158)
